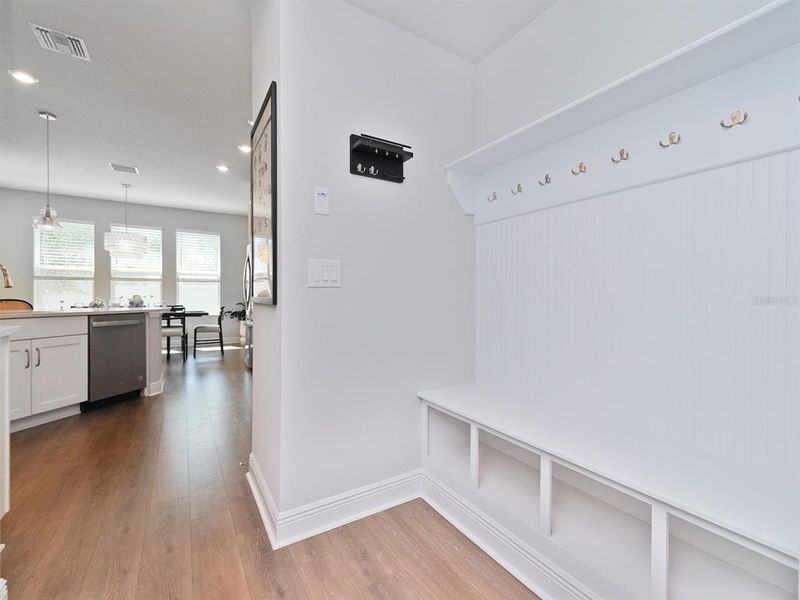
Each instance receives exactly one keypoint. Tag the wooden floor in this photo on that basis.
(147, 500)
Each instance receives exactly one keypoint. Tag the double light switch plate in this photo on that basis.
(324, 272)
(322, 201)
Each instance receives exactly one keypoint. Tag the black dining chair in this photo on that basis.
(168, 330)
(210, 329)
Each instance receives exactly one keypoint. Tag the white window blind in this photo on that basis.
(148, 266)
(64, 252)
(198, 270)
(197, 256)
(63, 265)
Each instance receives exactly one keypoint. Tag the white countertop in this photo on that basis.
(73, 312)
(7, 331)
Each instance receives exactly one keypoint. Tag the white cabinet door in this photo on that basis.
(21, 366)
(60, 372)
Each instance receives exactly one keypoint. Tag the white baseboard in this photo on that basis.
(42, 418)
(267, 508)
(528, 566)
(535, 571)
(155, 388)
(309, 520)
(290, 526)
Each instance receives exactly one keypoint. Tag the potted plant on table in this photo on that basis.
(238, 314)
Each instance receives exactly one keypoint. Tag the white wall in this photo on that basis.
(17, 208)
(576, 47)
(353, 358)
(267, 339)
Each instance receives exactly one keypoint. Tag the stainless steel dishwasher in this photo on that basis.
(117, 355)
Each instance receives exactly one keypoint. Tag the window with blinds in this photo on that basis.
(198, 270)
(139, 276)
(63, 265)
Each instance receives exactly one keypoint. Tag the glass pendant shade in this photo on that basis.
(125, 244)
(48, 219)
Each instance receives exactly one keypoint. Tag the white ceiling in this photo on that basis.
(167, 90)
(468, 28)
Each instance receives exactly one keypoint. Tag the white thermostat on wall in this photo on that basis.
(322, 201)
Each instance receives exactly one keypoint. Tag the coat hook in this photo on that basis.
(581, 169)
(517, 190)
(361, 168)
(672, 139)
(623, 155)
(737, 118)
(546, 179)
(373, 170)
(492, 197)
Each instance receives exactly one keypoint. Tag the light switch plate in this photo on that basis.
(322, 201)
(324, 272)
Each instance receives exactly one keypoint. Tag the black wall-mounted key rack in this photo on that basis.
(378, 158)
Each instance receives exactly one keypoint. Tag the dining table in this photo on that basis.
(182, 315)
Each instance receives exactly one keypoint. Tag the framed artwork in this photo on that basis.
(264, 202)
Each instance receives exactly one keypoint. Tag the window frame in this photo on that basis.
(46, 278)
(130, 278)
(179, 279)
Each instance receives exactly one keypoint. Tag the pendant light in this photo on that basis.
(125, 244)
(48, 219)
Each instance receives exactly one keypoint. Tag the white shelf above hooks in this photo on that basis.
(768, 30)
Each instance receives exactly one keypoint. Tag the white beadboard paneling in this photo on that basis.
(636, 311)
(791, 419)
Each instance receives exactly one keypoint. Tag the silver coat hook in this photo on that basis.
(581, 169)
(492, 197)
(737, 118)
(517, 190)
(621, 155)
(373, 170)
(672, 139)
(546, 179)
(360, 168)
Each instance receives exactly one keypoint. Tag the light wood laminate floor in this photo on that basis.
(147, 500)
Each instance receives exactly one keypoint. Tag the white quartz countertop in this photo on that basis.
(73, 312)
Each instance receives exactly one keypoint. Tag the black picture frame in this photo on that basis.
(264, 227)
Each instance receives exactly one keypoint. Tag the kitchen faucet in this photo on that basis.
(7, 283)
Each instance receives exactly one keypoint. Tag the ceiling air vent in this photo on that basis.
(60, 42)
(124, 168)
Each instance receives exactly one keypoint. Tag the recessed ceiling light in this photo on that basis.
(222, 168)
(244, 148)
(23, 77)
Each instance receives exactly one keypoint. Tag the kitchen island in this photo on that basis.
(49, 366)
